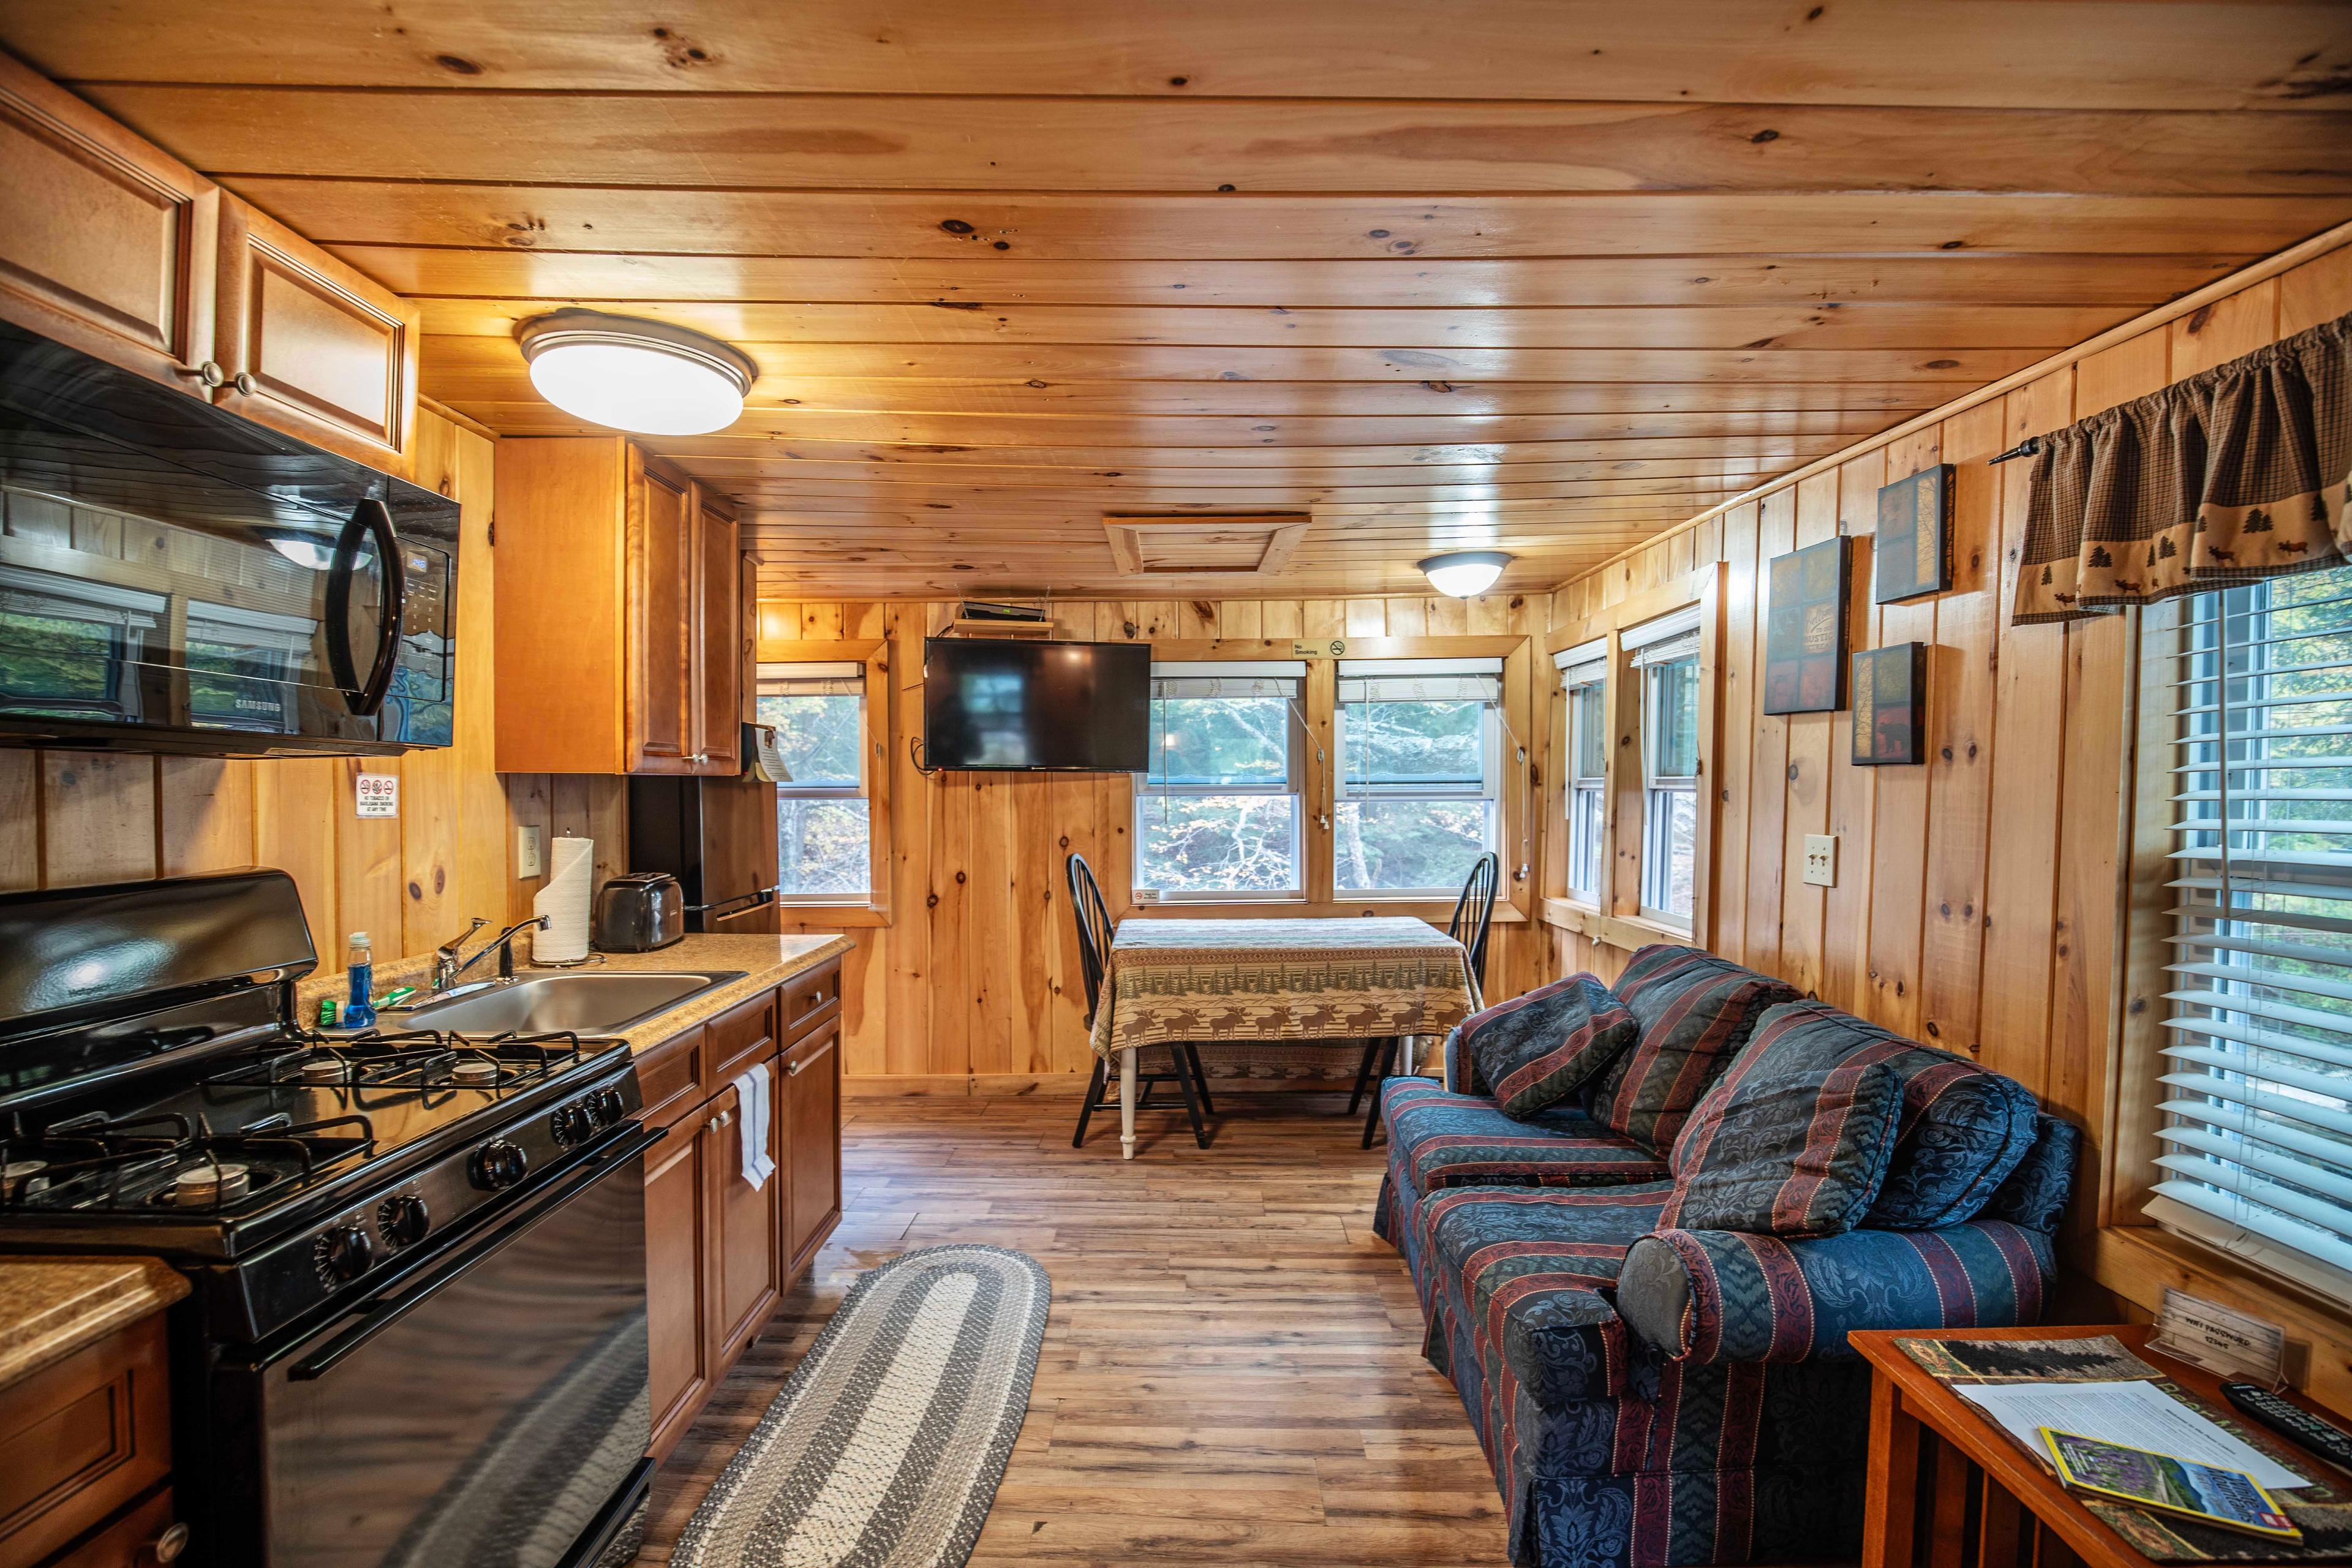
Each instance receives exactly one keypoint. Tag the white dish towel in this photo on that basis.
(752, 1113)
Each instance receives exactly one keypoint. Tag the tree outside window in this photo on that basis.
(1418, 797)
(824, 829)
(1219, 812)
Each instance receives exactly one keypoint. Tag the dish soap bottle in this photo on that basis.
(358, 962)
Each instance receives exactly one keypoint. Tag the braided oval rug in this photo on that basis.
(885, 1446)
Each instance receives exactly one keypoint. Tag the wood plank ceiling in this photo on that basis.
(1535, 275)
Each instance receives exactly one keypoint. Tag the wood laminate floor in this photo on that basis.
(1232, 1373)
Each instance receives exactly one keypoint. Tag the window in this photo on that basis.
(1219, 813)
(1584, 674)
(2256, 1094)
(1666, 661)
(1416, 790)
(824, 830)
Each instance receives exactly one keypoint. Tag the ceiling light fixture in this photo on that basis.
(652, 378)
(1462, 573)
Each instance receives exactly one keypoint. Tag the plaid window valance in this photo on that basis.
(2238, 473)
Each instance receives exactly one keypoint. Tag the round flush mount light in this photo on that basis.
(1462, 573)
(650, 377)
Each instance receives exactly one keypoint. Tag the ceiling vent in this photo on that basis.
(1242, 545)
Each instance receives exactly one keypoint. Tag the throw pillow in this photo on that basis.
(1538, 1048)
(1695, 1011)
(1783, 1154)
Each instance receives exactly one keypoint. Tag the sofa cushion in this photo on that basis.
(1694, 1010)
(1963, 1129)
(1786, 1154)
(1440, 1140)
(1538, 1049)
(2035, 1195)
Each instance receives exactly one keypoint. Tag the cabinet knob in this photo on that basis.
(246, 385)
(209, 373)
(166, 1547)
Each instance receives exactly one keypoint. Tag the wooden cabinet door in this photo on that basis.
(82, 1439)
(718, 636)
(661, 621)
(745, 1224)
(677, 1308)
(811, 1094)
(313, 347)
(105, 244)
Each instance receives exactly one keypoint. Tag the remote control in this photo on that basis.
(2292, 1422)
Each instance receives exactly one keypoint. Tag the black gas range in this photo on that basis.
(418, 1329)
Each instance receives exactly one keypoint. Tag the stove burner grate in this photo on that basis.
(92, 1165)
(423, 1059)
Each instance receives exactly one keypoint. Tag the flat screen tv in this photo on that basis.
(991, 704)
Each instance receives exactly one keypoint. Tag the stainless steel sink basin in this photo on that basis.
(588, 1002)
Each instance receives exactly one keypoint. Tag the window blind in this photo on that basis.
(1584, 663)
(1227, 677)
(1420, 681)
(843, 679)
(2256, 1095)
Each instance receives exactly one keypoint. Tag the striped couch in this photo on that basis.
(1653, 1397)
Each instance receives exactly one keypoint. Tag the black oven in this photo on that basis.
(486, 1407)
(175, 577)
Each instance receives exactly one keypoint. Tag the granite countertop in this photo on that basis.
(768, 962)
(52, 1307)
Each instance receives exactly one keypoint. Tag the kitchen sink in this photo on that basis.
(589, 1003)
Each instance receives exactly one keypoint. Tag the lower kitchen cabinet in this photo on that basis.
(719, 1252)
(86, 1459)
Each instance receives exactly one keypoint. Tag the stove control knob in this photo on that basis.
(345, 1252)
(497, 1163)
(609, 1106)
(575, 1124)
(403, 1220)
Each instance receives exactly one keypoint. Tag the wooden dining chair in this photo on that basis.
(1474, 916)
(1093, 916)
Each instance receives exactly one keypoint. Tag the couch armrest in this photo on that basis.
(1727, 1296)
(1566, 1345)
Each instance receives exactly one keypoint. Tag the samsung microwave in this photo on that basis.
(175, 577)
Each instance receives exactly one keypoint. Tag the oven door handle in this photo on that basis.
(381, 1314)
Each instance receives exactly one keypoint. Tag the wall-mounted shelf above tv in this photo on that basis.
(977, 628)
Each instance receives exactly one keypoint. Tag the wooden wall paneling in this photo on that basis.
(955, 947)
(2222, 331)
(294, 806)
(1854, 791)
(1899, 820)
(204, 813)
(1737, 704)
(2318, 290)
(485, 845)
(1810, 737)
(1776, 533)
(530, 802)
(2029, 727)
(913, 990)
(993, 965)
(1959, 740)
(431, 792)
(368, 862)
(1034, 902)
(20, 821)
(98, 817)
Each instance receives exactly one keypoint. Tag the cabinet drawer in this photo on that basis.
(143, 1538)
(670, 1077)
(810, 999)
(742, 1034)
(80, 1439)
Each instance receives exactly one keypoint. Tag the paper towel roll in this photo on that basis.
(565, 901)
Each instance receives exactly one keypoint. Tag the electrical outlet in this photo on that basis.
(1820, 859)
(531, 857)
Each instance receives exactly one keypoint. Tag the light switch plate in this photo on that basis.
(531, 857)
(1820, 859)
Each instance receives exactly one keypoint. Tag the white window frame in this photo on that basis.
(1444, 674)
(1584, 684)
(845, 672)
(2254, 1134)
(1150, 796)
(1657, 646)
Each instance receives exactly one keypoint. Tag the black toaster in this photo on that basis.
(639, 912)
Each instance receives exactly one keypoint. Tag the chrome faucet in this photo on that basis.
(446, 957)
(446, 966)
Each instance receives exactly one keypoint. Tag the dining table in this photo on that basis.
(1170, 981)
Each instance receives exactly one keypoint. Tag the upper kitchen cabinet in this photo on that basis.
(106, 243)
(619, 614)
(312, 347)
